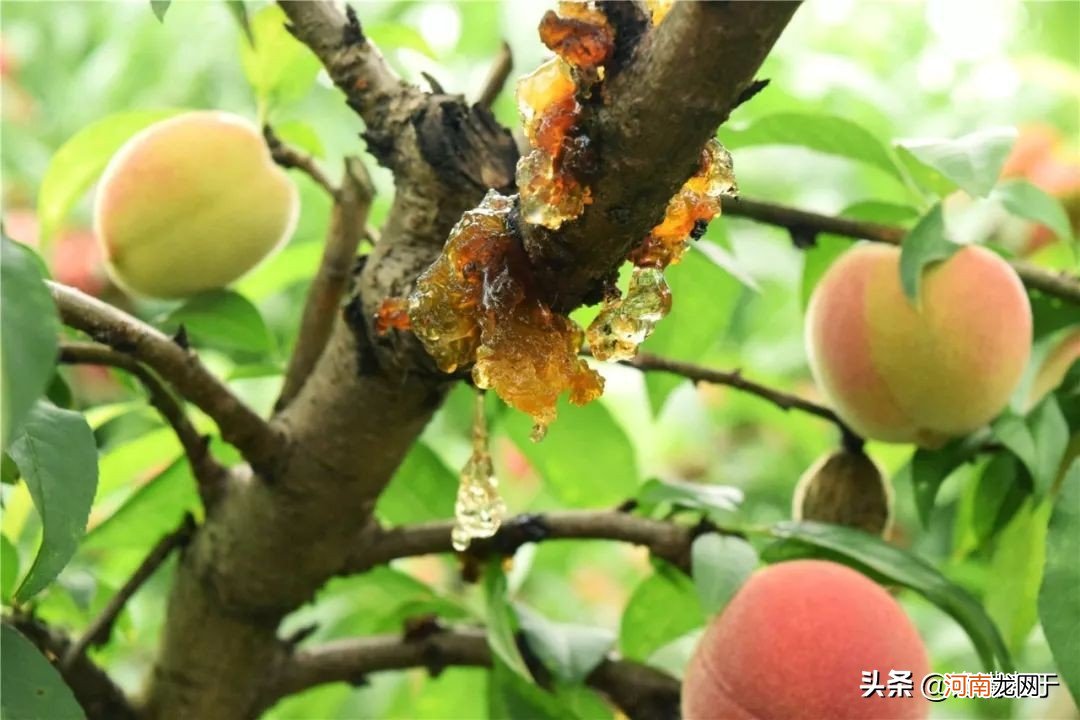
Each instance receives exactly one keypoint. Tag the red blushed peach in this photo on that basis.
(192, 203)
(900, 373)
(793, 643)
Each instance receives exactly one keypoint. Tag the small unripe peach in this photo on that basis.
(191, 203)
(923, 373)
(794, 643)
(845, 488)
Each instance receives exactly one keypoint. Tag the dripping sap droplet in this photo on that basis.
(479, 510)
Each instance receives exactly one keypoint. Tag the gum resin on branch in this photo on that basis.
(625, 322)
(551, 177)
(689, 211)
(477, 305)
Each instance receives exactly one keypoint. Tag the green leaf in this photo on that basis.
(238, 10)
(301, 135)
(423, 488)
(57, 455)
(1039, 440)
(278, 66)
(9, 471)
(1018, 555)
(720, 565)
(1025, 200)
(586, 458)
(973, 161)
(694, 496)
(569, 651)
(295, 263)
(9, 569)
(723, 259)
(824, 133)
(80, 160)
(926, 243)
(501, 621)
(664, 606)
(394, 35)
(703, 301)
(222, 319)
(1059, 597)
(28, 316)
(160, 7)
(154, 509)
(930, 468)
(30, 687)
(997, 495)
(511, 696)
(887, 563)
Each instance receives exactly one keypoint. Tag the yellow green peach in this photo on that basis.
(923, 372)
(192, 203)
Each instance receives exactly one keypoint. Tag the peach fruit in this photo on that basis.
(192, 203)
(793, 643)
(922, 373)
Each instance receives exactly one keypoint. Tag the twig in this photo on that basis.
(289, 157)
(98, 695)
(667, 540)
(496, 79)
(101, 628)
(239, 424)
(347, 224)
(808, 224)
(784, 401)
(638, 690)
(209, 473)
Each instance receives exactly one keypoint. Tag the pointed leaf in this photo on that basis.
(501, 621)
(569, 651)
(28, 316)
(926, 243)
(720, 565)
(30, 687)
(1059, 597)
(57, 455)
(973, 161)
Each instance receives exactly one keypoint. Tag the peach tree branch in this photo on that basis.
(100, 629)
(638, 690)
(497, 76)
(734, 378)
(348, 219)
(808, 224)
(208, 472)
(661, 103)
(289, 157)
(668, 540)
(179, 366)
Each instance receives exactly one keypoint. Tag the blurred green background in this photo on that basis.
(897, 69)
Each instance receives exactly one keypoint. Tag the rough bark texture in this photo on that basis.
(273, 539)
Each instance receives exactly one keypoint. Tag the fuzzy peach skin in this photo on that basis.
(793, 643)
(922, 375)
(192, 203)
